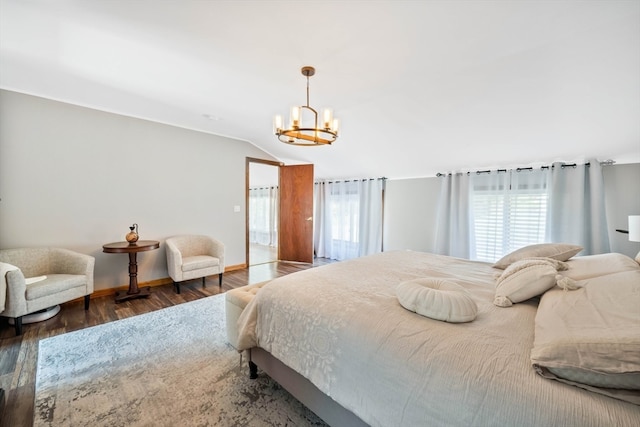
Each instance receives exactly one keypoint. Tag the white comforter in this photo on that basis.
(341, 326)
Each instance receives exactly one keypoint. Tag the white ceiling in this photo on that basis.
(420, 86)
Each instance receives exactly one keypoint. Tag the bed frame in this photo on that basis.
(302, 389)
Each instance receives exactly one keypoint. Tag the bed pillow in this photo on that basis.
(558, 251)
(588, 266)
(437, 299)
(590, 337)
(526, 279)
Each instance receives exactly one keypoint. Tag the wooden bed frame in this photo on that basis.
(302, 389)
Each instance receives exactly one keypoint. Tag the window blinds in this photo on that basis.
(509, 212)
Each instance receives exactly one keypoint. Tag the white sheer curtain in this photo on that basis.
(263, 216)
(529, 205)
(577, 207)
(488, 192)
(348, 218)
(487, 215)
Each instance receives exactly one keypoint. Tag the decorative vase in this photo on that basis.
(132, 236)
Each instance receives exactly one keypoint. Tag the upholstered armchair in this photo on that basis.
(35, 279)
(193, 257)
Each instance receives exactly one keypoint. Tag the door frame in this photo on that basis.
(248, 162)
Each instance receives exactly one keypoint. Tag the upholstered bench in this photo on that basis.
(236, 300)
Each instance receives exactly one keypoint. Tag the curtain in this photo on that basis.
(371, 210)
(484, 216)
(576, 211)
(348, 218)
(453, 226)
(528, 207)
(488, 194)
(263, 216)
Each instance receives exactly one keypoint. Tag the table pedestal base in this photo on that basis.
(125, 296)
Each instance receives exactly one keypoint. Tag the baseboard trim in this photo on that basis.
(157, 282)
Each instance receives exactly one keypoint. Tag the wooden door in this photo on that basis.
(295, 231)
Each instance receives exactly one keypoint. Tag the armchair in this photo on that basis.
(194, 256)
(34, 279)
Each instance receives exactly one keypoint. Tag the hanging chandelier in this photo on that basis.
(305, 130)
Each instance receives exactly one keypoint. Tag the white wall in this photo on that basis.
(77, 178)
(411, 208)
(622, 184)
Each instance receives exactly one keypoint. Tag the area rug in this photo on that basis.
(171, 367)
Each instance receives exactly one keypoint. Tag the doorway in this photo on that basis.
(262, 211)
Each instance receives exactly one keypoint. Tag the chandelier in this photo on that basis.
(305, 130)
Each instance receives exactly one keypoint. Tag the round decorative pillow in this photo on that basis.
(438, 299)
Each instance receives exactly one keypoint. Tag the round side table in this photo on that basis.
(132, 249)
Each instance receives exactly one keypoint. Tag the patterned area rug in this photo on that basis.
(171, 367)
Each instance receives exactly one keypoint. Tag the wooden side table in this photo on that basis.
(132, 249)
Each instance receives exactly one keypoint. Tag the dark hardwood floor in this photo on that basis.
(19, 354)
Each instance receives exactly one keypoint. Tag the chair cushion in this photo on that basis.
(54, 284)
(199, 262)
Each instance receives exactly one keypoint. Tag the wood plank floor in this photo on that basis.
(19, 355)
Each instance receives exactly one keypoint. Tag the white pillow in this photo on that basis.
(526, 279)
(437, 299)
(558, 251)
(588, 266)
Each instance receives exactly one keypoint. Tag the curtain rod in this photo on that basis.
(350, 180)
(329, 182)
(262, 188)
(563, 165)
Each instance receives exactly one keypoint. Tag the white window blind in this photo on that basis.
(508, 213)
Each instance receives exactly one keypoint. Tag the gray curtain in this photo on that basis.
(453, 226)
(576, 212)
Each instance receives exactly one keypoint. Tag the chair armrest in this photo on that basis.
(174, 260)
(217, 250)
(4, 269)
(16, 293)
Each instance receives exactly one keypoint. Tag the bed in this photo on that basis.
(338, 338)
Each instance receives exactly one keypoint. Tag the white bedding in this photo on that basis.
(342, 327)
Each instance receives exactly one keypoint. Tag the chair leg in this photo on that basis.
(18, 325)
(177, 285)
(203, 285)
(220, 279)
(87, 298)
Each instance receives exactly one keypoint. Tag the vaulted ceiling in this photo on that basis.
(420, 86)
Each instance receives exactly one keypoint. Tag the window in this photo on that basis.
(344, 205)
(348, 218)
(509, 212)
(263, 217)
(485, 215)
